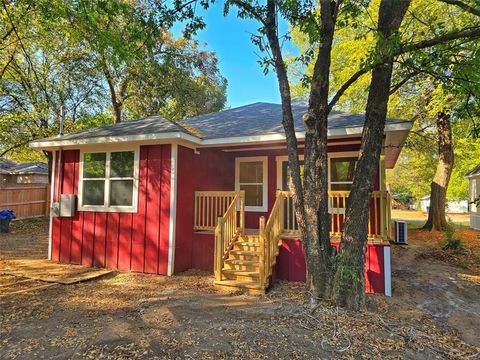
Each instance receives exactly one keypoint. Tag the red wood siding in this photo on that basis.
(291, 264)
(202, 254)
(214, 169)
(125, 241)
(208, 170)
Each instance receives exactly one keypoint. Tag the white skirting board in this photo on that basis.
(387, 267)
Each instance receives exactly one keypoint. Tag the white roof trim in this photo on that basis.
(177, 136)
(39, 144)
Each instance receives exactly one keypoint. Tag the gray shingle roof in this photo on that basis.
(474, 171)
(249, 120)
(9, 167)
(265, 118)
(147, 125)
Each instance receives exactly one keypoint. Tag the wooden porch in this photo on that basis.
(245, 258)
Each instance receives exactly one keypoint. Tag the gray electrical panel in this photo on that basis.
(55, 209)
(68, 205)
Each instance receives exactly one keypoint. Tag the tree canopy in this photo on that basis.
(99, 62)
(423, 83)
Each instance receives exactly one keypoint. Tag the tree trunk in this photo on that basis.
(49, 156)
(438, 195)
(317, 238)
(311, 197)
(349, 281)
(116, 104)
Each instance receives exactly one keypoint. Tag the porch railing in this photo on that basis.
(209, 205)
(270, 239)
(229, 226)
(379, 224)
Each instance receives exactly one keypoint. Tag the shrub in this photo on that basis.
(451, 242)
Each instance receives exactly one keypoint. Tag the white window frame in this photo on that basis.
(264, 160)
(106, 207)
(280, 160)
(336, 155)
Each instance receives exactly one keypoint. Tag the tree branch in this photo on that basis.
(251, 9)
(4, 152)
(402, 82)
(463, 6)
(471, 33)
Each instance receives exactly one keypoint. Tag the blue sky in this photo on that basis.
(229, 37)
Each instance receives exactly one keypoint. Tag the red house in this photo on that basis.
(209, 193)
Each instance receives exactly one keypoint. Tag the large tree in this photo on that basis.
(82, 60)
(432, 87)
(147, 70)
(310, 197)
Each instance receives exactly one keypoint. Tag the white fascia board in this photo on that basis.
(332, 133)
(192, 141)
(473, 176)
(238, 140)
(52, 144)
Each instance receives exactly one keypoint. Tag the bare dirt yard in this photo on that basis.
(434, 313)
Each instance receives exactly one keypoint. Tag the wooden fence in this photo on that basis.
(26, 200)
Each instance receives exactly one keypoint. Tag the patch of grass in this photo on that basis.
(418, 224)
(18, 224)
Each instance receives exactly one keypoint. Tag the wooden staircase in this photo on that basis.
(241, 268)
(247, 261)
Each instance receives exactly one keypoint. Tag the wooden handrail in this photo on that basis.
(379, 224)
(269, 238)
(228, 228)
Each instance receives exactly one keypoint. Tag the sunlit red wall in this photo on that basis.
(126, 241)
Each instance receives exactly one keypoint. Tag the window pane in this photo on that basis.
(93, 192)
(251, 172)
(342, 169)
(121, 192)
(94, 165)
(340, 187)
(121, 164)
(253, 195)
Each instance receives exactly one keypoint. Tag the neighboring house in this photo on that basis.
(452, 207)
(12, 172)
(473, 177)
(209, 193)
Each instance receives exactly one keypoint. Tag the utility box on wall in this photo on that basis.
(68, 205)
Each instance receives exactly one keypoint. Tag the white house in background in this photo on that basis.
(12, 173)
(473, 177)
(453, 207)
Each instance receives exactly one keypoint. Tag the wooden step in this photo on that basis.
(240, 275)
(249, 238)
(245, 252)
(252, 287)
(246, 265)
(244, 255)
(246, 246)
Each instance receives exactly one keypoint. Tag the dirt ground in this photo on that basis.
(434, 313)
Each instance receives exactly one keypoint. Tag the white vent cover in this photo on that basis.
(401, 232)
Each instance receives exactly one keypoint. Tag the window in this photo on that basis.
(109, 181)
(251, 176)
(341, 173)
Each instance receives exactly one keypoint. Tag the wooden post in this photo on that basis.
(47, 201)
(383, 214)
(242, 212)
(280, 210)
(219, 249)
(262, 251)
